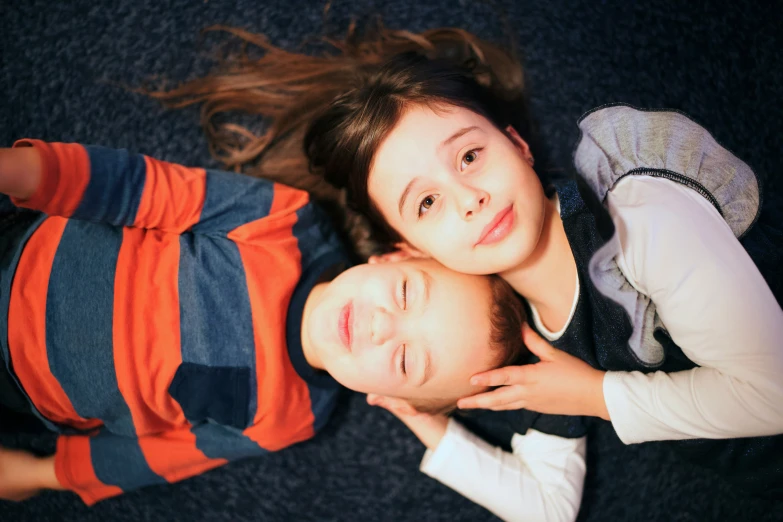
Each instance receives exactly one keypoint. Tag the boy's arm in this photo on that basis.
(20, 172)
(126, 189)
(714, 304)
(24, 475)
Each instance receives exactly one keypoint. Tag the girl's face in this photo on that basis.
(460, 190)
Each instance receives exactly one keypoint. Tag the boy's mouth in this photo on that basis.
(344, 325)
(498, 228)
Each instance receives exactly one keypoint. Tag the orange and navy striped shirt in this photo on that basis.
(154, 315)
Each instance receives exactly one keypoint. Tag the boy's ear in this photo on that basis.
(520, 144)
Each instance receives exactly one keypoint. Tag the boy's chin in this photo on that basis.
(345, 383)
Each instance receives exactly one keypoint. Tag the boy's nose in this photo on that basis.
(381, 326)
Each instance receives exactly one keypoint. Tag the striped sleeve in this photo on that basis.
(102, 465)
(121, 188)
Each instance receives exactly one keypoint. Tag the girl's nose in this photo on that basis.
(471, 201)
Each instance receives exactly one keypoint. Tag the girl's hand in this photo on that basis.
(20, 474)
(560, 384)
(428, 428)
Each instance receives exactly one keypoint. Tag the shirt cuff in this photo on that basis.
(74, 470)
(65, 174)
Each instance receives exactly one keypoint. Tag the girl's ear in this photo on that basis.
(410, 250)
(520, 144)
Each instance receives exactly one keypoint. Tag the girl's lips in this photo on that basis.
(344, 325)
(498, 228)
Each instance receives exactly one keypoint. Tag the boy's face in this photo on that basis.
(412, 329)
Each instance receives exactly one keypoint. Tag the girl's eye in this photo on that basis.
(405, 294)
(402, 360)
(426, 204)
(469, 157)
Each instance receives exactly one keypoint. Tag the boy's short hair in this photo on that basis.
(506, 314)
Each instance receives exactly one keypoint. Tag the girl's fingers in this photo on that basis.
(536, 344)
(489, 400)
(517, 405)
(501, 376)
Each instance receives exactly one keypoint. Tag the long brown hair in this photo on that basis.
(327, 114)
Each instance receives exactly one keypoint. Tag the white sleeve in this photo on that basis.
(541, 480)
(714, 303)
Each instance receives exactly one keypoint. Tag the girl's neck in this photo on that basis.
(547, 278)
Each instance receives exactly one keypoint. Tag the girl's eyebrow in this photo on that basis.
(405, 193)
(457, 135)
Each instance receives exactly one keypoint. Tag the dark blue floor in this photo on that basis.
(63, 68)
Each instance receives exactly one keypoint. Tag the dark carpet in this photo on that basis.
(63, 68)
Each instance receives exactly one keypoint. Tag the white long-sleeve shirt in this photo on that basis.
(714, 303)
(540, 480)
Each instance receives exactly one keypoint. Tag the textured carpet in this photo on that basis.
(62, 71)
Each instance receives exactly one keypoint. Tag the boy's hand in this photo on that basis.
(428, 428)
(19, 475)
(20, 172)
(560, 384)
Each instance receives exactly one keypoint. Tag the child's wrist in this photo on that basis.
(429, 429)
(20, 172)
(599, 401)
(45, 475)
